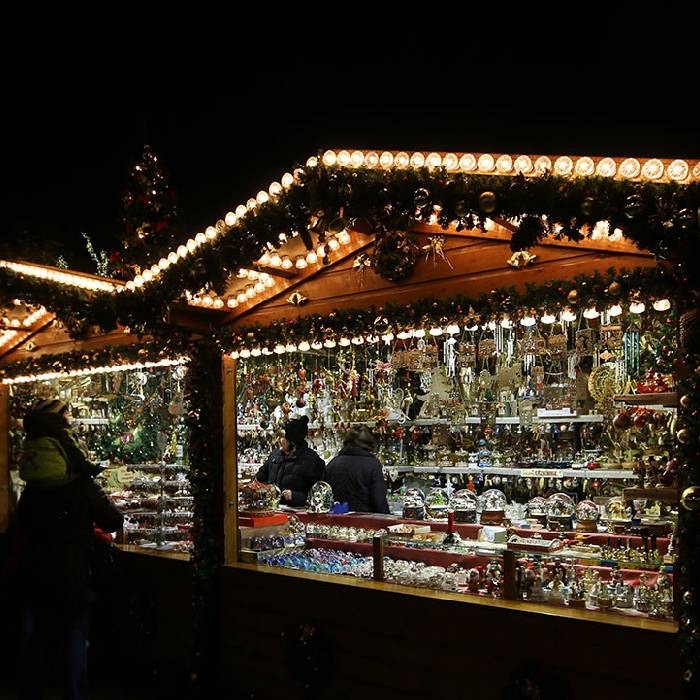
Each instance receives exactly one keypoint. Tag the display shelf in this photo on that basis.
(517, 471)
(665, 494)
(468, 420)
(666, 399)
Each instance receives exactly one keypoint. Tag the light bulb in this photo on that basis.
(419, 333)
(548, 318)
(357, 340)
(386, 160)
(251, 204)
(568, 315)
(301, 263)
(269, 282)
(138, 280)
(173, 258)
(275, 189)
(329, 158)
(249, 291)
(264, 259)
(344, 158)
(275, 260)
(527, 321)
(210, 232)
(321, 251)
(241, 211)
(417, 160)
(615, 310)
(317, 345)
(453, 328)
(311, 257)
(241, 298)
(252, 274)
(637, 307)
(591, 312)
(402, 160)
(287, 180)
(232, 303)
(404, 335)
(436, 331)
(262, 197)
(245, 353)
(304, 345)
(279, 349)
(333, 244)
(388, 337)
(344, 342)
(344, 237)
(182, 251)
(312, 162)
(506, 323)
(491, 325)
(290, 347)
(259, 287)
(329, 343)
(229, 219)
(218, 303)
(256, 352)
(287, 263)
(207, 301)
(433, 161)
(661, 305)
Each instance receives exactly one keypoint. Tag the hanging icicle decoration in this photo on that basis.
(510, 346)
(450, 356)
(571, 368)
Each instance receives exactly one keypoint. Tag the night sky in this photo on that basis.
(68, 147)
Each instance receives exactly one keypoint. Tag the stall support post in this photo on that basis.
(231, 533)
(509, 587)
(378, 557)
(4, 457)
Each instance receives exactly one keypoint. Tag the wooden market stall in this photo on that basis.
(389, 240)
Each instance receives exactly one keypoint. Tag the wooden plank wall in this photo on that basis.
(5, 487)
(478, 265)
(395, 647)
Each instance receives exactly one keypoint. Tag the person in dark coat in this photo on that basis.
(356, 475)
(293, 466)
(52, 542)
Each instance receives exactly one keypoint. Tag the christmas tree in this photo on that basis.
(149, 213)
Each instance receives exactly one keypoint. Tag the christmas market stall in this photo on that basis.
(519, 335)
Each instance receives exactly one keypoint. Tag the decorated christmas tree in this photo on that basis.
(149, 213)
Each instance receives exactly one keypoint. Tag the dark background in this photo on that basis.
(71, 136)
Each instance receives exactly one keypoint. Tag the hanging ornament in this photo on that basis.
(381, 325)
(487, 202)
(572, 296)
(686, 401)
(683, 436)
(421, 197)
(435, 247)
(461, 209)
(634, 206)
(522, 258)
(622, 422)
(614, 289)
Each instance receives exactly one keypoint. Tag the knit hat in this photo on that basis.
(296, 429)
(50, 406)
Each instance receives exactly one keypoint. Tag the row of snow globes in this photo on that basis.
(556, 512)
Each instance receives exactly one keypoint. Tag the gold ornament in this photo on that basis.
(436, 247)
(297, 299)
(686, 401)
(521, 259)
(683, 436)
(602, 383)
(690, 499)
(615, 288)
(572, 296)
(487, 202)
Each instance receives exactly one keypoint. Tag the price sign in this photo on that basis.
(543, 473)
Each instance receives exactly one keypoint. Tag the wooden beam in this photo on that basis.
(359, 242)
(45, 322)
(5, 485)
(230, 466)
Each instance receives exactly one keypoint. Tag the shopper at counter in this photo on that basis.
(293, 466)
(52, 543)
(356, 475)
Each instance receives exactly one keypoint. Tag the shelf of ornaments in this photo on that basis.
(471, 553)
(654, 400)
(623, 474)
(469, 420)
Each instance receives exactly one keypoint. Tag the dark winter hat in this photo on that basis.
(296, 429)
(360, 439)
(50, 406)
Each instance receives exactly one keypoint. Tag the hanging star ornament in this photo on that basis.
(435, 247)
(522, 258)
